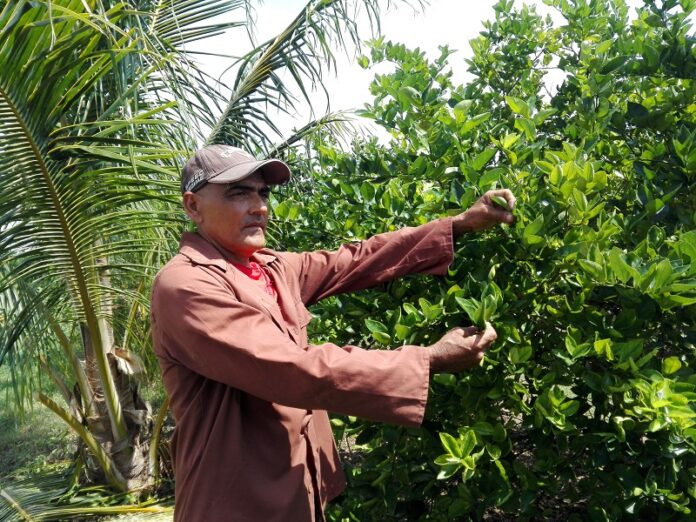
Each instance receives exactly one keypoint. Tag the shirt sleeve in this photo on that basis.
(383, 257)
(198, 323)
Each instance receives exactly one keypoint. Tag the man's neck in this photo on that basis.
(229, 256)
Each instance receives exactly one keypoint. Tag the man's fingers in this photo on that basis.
(486, 337)
(469, 330)
(491, 331)
(501, 216)
(506, 194)
(489, 334)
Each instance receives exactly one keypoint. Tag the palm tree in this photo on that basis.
(85, 135)
(99, 102)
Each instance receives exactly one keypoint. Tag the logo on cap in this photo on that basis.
(198, 175)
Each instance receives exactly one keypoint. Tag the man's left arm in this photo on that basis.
(383, 257)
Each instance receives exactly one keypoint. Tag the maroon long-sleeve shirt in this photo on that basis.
(249, 394)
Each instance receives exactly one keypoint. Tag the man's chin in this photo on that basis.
(256, 241)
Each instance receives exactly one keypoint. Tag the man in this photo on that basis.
(248, 393)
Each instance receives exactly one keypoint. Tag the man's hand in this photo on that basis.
(485, 213)
(460, 348)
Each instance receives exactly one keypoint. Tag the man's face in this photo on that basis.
(232, 216)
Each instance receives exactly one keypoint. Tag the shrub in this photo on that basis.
(586, 405)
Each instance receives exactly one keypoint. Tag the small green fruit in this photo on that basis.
(501, 202)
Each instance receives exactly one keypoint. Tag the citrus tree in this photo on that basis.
(585, 407)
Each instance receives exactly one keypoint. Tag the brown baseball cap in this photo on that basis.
(227, 164)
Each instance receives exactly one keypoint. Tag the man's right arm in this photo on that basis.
(200, 325)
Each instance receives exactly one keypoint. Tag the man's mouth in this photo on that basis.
(255, 226)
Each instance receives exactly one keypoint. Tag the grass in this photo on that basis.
(35, 441)
(31, 440)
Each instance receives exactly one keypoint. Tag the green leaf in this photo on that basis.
(379, 331)
(447, 470)
(534, 227)
(603, 347)
(467, 443)
(687, 245)
(446, 379)
(543, 115)
(408, 96)
(654, 20)
(375, 326)
(482, 159)
(527, 127)
(474, 122)
(570, 408)
(657, 425)
(531, 234)
(402, 332)
(604, 46)
(518, 106)
(381, 337)
(577, 350)
(483, 428)
(619, 267)
(671, 365)
(367, 190)
(494, 451)
(613, 64)
(663, 274)
(509, 140)
(430, 311)
(594, 269)
(520, 354)
(473, 309)
(463, 106)
(452, 445)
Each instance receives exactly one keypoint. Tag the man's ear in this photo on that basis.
(192, 206)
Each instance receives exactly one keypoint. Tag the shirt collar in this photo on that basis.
(201, 252)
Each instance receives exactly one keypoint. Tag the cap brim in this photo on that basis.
(274, 172)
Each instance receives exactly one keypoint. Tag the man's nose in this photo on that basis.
(259, 205)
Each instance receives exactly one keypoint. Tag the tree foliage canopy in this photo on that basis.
(586, 405)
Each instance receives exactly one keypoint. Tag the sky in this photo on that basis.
(451, 22)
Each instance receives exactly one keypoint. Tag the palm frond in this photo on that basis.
(338, 125)
(25, 338)
(171, 28)
(302, 51)
(53, 497)
(62, 204)
(179, 22)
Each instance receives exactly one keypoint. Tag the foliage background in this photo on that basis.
(585, 407)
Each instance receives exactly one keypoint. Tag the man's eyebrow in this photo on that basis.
(236, 186)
